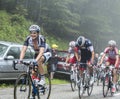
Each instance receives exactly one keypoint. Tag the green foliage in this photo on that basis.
(13, 27)
(62, 20)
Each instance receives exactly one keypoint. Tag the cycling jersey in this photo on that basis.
(41, 42)
(85, 51)
(111, 53)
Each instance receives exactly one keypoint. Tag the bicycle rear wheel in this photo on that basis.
(105, 85)
(45, 91)
(22, 88)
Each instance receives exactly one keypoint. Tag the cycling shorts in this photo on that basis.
(111, 61)
(46, 56)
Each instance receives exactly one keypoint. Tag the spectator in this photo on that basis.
(52, 64)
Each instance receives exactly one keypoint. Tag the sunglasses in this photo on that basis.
(33, 32)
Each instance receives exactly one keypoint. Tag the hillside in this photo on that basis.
(15, 28)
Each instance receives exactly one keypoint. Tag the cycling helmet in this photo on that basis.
(112, 43)
(72, 44)
(54, 46)
(80, 40)
(34, 28)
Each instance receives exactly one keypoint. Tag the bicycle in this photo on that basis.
(99, 73)
(107, 81)
(24, 84)
(73, 76)
(84, 80)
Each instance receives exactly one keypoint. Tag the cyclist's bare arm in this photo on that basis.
(22, 54)
(78, 57)
(117, 60)
(68, 56)
(92, 58)
(101, 61)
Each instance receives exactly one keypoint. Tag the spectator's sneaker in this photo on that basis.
(41, 82)
(91, 80)
(113, 89)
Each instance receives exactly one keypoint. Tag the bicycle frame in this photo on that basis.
(26, 80)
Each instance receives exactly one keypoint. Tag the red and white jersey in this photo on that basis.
(111, 53)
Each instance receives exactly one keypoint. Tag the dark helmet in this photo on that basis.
(80, 41)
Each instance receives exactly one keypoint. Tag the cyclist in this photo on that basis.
(113, 59)
(85, 53)
(71, 50)
(41, 48)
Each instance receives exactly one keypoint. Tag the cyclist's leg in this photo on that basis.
(114, 80)
(41, 63)
(90, 68)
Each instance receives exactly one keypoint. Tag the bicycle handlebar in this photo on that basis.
(27, 63)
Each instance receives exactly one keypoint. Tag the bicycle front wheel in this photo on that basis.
(22, 88)
(80, 89)
(73, 80)
(45, 90)
(105, 85)
(89, 87)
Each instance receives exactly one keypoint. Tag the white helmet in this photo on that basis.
(112, 43)
(34, 28)
(72, 44)
(80, 40)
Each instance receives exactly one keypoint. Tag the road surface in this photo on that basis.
(64, 91)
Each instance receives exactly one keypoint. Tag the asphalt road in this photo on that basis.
(64, 92)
